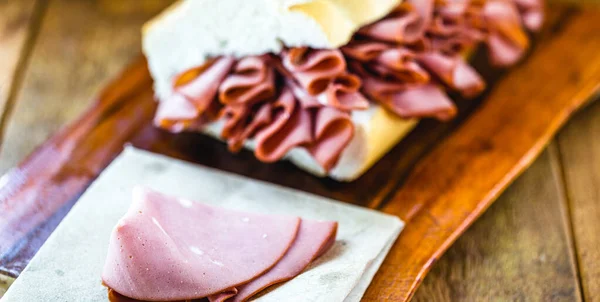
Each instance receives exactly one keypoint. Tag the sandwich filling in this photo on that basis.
(304, 97)
(174, 249)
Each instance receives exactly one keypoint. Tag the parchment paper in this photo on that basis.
(69, 265)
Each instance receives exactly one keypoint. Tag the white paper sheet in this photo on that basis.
(69, 265)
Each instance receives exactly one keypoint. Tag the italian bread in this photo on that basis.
(183, 37)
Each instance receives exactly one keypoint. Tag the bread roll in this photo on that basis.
(189, 32)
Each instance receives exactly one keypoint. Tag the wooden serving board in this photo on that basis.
(439, 179)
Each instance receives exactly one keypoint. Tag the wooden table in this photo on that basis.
(539, 241)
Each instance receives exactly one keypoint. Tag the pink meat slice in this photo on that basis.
(454, 72)
(291, 127)
(532, 13)
(252, 81)
(507, 41)
(314, 238)
(314, 69)
(333, 132)
(167, 249)
(190, 100)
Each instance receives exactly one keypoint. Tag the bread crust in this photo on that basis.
(376, 130)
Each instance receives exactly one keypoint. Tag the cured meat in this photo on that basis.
(252, 81)
(406, 24)
(291, 127)
(314, 238)
(406, 61)
(239, 127)
(193, 94)
(506, 41)
(333, 132)
(314, 69)
(411, 101)
(532, 13)
(454, 72)
(343, 94)
(170, 249)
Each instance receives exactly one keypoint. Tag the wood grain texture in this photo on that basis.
(81, 45)
(17, 24)
(463, 174)
(518, 250)
(73, 157)
(579, 145)
(5, 283)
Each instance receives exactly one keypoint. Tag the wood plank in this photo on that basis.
(5, 283)
(52, 177)
(18, 21)
(81, 45)
(381, 178)
(454, 184)
(518, 250)
(579, 145)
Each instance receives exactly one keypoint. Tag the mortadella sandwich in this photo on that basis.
(330, 85)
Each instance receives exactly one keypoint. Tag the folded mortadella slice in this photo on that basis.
(532, 13)
(314, 69)
(169, 249)
(238, 127)
(333, 132)
(406, 24)
(314, 239)
(506, 41)
(291, 127)
(343, 94)
(252, 81)
(428, 100)
(454, 72)
(193, 94)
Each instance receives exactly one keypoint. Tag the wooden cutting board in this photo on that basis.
(439, 179)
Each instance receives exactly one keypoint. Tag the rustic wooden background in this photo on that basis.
(539, 241)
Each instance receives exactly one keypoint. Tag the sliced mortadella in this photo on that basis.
(314, 69)
(364, 50)
(399, 63)
(506, 41)
(168, 249)
(501, 52)
(451, 9)
(532, 12)
(175, 114)
(459, 43)
(291, 127)
(422, 101)
(333, 132)
(407, 100)
(203, 88)
(252, 81)
(456, 28)
(343, 94)
(454, 72)
(306, 100)
(238, 127)
(193, 93)
(406, 24)
(428, 100)
(314, 238)
(234, 117)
